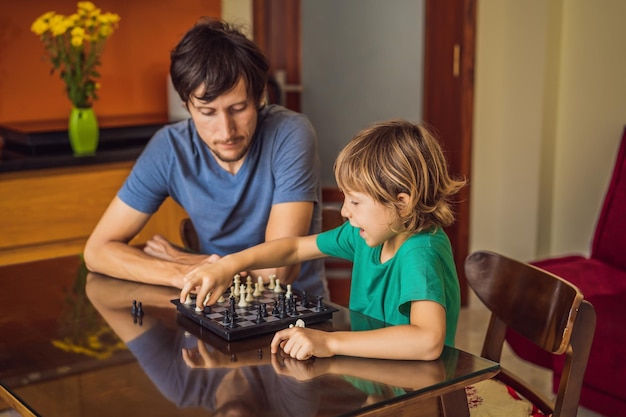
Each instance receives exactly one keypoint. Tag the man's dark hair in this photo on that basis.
(215, 54)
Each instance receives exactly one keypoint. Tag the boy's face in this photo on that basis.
(226, 124)
(374, 220)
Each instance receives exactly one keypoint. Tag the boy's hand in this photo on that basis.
(301, 343)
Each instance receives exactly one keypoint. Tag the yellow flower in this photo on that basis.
(74, 44)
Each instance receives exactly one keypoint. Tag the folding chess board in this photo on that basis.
(269, 312)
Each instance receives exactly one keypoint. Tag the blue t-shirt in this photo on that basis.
(230, 212)
(422, 269)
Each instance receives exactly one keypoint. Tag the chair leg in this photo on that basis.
(454, 404)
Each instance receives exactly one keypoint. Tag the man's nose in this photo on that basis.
(225, 126)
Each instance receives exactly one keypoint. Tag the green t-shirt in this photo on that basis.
(422, 269)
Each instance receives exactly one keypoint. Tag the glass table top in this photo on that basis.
(75, 349)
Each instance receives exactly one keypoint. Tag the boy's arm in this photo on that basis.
(423, 339)
(213, 279)
(286, 220)
(107, 250)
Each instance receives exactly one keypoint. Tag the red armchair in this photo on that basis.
(602, 279)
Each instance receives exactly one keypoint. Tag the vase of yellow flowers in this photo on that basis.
(74, 45)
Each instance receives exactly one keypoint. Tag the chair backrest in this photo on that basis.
(331, 217)
(609, 242)
(188, 235)
(541, 307)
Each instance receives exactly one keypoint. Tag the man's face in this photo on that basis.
(226, 124)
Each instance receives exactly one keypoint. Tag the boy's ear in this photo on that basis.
(403, 203)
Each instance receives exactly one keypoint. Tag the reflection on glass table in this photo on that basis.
(162, 363)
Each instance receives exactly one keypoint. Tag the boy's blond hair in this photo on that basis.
(395, 157)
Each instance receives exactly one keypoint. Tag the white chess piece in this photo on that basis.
(257, 289)
(272, 283)
(188, 300)
(242, 297)
(260, 283)
(288, 293)
(277, 287)
(299, 323)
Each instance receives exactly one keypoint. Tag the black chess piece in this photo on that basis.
(320, 304)
(264, 310)
(226, 320)
(140, 313)
(133, 309)
(232, 308)
(305, 300)
(259, 314)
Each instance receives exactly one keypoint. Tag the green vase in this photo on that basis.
(83, 131)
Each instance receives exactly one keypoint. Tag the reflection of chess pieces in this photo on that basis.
(272, 283)
(277, 287)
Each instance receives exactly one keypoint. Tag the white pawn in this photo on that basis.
(260, 283)
(249, 297)
(221, 299)
(236, 282)
(257, 289)
(288, 293)
(188, 300)
(249, 284)
(277, 287)
(272, 284)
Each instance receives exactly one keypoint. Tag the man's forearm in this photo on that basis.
(124, 261)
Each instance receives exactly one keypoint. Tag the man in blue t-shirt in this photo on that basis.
(245, 172)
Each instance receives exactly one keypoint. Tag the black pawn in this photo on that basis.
(259, 314)
(320, 304)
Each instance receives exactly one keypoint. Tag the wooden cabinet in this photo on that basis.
(51, 212)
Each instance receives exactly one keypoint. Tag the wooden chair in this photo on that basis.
(543, 308)
(189, 236)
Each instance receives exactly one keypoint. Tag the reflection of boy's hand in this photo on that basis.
(298, 369)
(200, 357)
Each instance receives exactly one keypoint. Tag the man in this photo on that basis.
(245, 172)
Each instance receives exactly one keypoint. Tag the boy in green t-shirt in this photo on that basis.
(397, 200)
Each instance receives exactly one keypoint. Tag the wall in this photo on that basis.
(134, 64)
(549, 113)
(362, 61)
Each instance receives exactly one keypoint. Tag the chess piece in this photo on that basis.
(277, 287)
(242, 297)
(260, 284)
(188, 300)
(257, 291)
(272, 283)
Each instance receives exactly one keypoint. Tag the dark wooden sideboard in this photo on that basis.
(50, 200)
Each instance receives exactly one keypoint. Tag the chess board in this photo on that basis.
(217, 318)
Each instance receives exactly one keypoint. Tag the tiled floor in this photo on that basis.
(471, 329)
